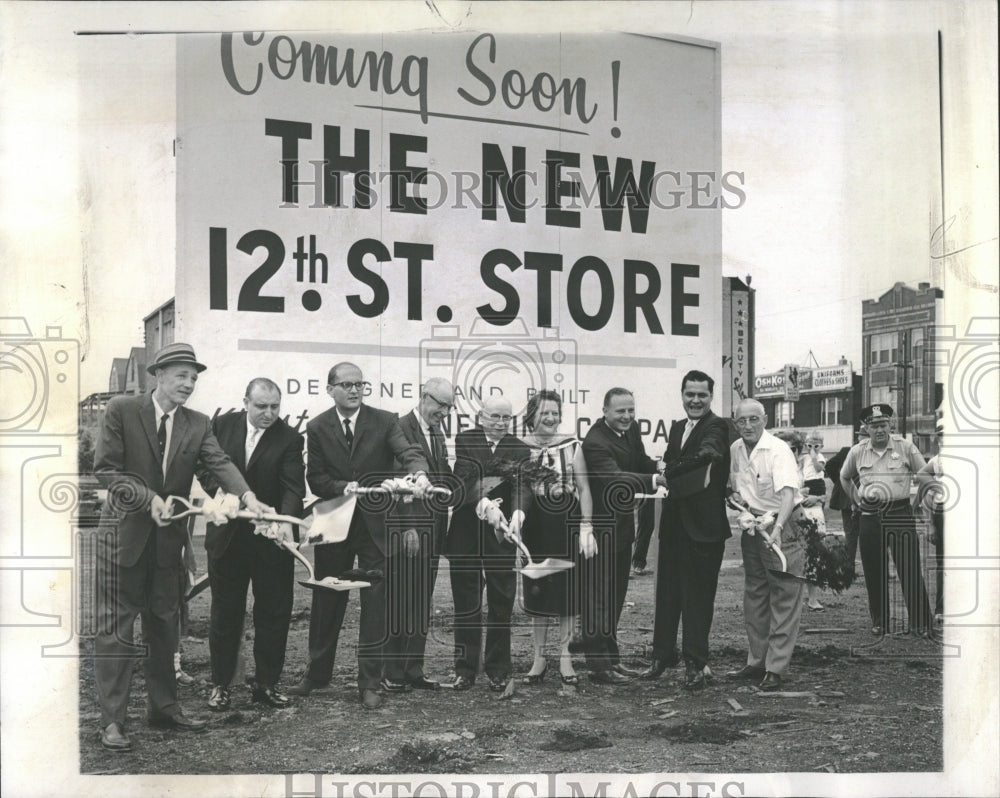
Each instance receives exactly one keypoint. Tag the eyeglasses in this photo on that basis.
(357, 386)
(750, 421)
(443, 405)
(497, 417)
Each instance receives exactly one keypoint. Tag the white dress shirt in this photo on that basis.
(760, 476)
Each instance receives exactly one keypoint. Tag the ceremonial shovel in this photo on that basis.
(312, 583)
(533, 570)
(767, 538)
(537, 570)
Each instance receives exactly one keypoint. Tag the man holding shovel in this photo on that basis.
(268, 453)
(764, 477)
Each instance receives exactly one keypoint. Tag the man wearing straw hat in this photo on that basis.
(148, 448)
(268, 453)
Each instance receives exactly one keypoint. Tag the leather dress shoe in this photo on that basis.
(219, 700)
(621, 670)
(499, 684)
(114, 738)
(271, 696)
(392, 686)
(770, 683)
(747, 672)
(305, 686)
(609, 676)
(463, 683)
(371, 699)
(656, 669)
(694, 677)
(423, 683)
(178, 722)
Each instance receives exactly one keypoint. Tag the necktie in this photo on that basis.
(347, 432)
(252, 441)
(161, 434)
(437, 446)
(687, 431)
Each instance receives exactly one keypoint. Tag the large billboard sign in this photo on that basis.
(512, 212)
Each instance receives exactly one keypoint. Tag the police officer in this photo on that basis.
(877, 474)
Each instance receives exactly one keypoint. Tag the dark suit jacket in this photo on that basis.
(472, 457)
(379, 444)
(128, 464)
(701, 515)
(433, 512)
(275, 473)
(838, 499)
(618, 468)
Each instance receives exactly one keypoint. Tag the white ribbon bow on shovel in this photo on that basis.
(222, 504)
(754, 524)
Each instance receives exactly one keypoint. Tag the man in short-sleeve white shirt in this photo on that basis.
(877, 474)
(763, 474)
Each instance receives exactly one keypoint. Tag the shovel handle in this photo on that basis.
(298, 555)
(378, 490)
(769, 541)
(192, 510)
(517, 542)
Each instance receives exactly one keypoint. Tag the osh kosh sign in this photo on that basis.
(811, 380)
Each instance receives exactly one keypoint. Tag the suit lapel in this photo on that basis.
(699, 430)
(338, 430)
(179, 431)
(416, 435)
(361, 422)
(257, 448)
(484, 447)
(674, 440)
(623, 446)
(148, 416)
(695, 431)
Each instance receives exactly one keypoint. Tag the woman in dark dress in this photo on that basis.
(556, 476)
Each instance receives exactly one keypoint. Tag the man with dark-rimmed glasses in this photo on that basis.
(347, 444)
(765, 478)
(413, 572)
(476, 558)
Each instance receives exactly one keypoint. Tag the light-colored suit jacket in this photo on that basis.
(128, 464)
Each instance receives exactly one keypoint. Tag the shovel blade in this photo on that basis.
(336, 586)
(546, 567)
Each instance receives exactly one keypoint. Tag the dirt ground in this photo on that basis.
(859, 704)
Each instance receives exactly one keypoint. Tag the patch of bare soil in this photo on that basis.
(852, 703)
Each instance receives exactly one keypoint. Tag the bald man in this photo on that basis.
(765, 477)
(475, 557)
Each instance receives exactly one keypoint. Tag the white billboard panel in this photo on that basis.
(513, 212)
